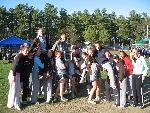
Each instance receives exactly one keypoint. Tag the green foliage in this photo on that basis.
(24, 20)
(96, 33)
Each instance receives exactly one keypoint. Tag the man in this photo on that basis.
(44, 46)
(43, 41)
(103, 61)
(139, 72)
(62, 46)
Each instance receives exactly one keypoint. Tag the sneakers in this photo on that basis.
(18, 108)
(73, 96)
(141, 107)
(55, 98)
(63, 99)
(97, 99)
(121, 107)
(24, 102)
(104, 100)
(48, 101)
(115, 105)
(36, 103)
(91, 102)
(8, 106)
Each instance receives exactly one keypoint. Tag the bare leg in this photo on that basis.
(94, 86)
(62, 84)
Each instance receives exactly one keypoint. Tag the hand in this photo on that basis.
(40, 76)
(143, 77)
(66, 64)
(104, 69)
(119, 82)
(14, 78)
(117, 67)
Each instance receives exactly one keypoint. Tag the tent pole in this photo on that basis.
(147, 31)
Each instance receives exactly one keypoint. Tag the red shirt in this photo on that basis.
(128, 65)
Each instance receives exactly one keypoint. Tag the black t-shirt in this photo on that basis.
(17, 66)
(27, 66)
(50, 65)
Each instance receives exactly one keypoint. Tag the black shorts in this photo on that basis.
(61, 77)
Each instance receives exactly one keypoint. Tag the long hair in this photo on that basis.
(35, 44)
(125, 54)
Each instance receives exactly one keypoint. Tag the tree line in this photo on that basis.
(24, 20)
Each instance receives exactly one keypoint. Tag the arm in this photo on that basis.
(121, 71)
(55, 45)
(76, 62)
(129, 65)
(16, 63)
(39, 63)
(60, 64)
(94, 69)
(145, 67)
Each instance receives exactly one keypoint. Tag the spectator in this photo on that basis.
(122, 80)
(35, 75)
(129, 70)
(14, 78)
(139, 72)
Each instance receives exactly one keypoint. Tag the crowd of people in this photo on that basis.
(38, 68)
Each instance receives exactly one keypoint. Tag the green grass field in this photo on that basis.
(73, 106)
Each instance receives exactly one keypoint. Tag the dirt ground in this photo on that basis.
(80, 105)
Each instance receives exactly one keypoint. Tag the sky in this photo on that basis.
(120, 7)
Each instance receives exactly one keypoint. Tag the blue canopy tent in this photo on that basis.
(12, 41)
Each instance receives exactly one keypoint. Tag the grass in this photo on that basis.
(4, 70)
(73, 106)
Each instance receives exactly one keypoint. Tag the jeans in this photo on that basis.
(137, 85)
(123, 87)
(48, 90)
(36, 86)
(129, 85)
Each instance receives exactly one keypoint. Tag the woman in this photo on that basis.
(94, 73)
(61, 75)
(14, 78)
(129, 70)
(74, 71)
(35, 75)
(49, 76)
(122, 80)
(109, 56)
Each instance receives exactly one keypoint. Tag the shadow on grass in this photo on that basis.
(146, 91)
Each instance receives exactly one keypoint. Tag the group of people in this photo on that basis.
(53, 70)
(144, 52)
